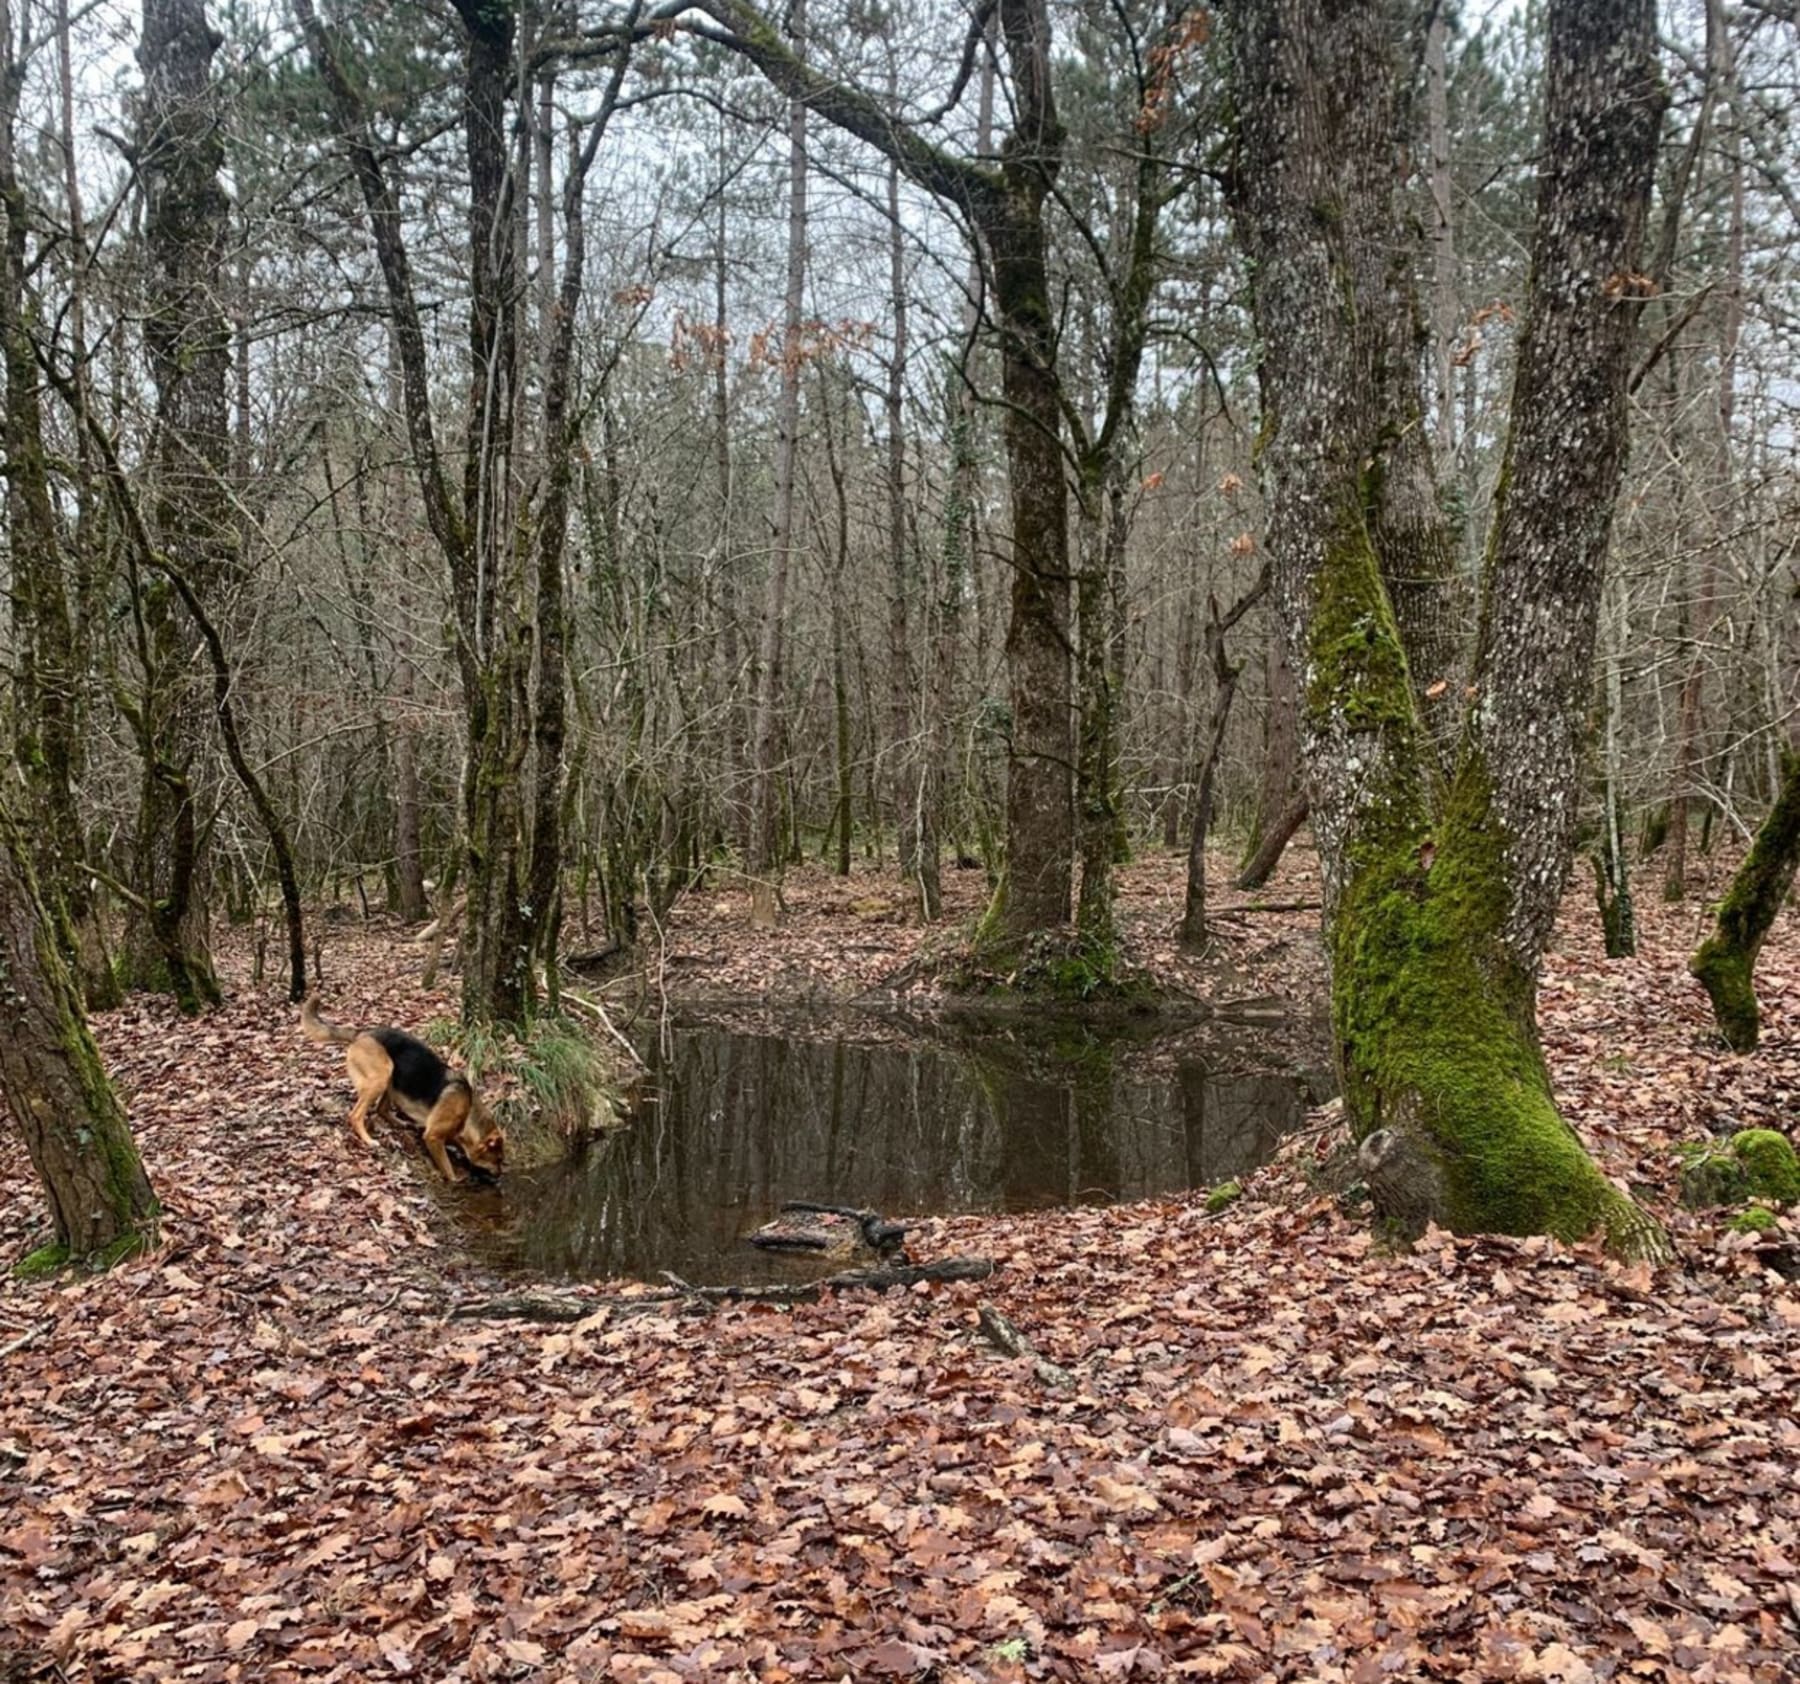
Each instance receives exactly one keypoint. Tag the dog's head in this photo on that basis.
(483, 1141)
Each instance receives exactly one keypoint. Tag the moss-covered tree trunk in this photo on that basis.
(1036, 889)
(186, 212)
(1441, 882)
(509, 628)
(1726, 960)
(47, 701)
(54, 1085)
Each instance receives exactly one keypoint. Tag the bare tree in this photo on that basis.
(513, 847)
(180, 150)
(765, 842)
(48, 707)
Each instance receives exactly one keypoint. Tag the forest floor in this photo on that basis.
(852, 940)
(1265, 1450)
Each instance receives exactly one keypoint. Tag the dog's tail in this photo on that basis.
(316, 1028)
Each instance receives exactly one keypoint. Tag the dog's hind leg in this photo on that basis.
(370, 1072)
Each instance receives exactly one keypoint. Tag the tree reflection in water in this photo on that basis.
(966, 1119)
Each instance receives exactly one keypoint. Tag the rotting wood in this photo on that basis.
(1257, 906)
(1004, 1335)
(874, 1230)
(543, 1308)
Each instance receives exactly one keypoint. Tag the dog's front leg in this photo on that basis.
(441, 1126)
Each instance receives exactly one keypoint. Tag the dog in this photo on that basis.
(387, 1068)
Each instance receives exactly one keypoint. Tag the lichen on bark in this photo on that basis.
(1444, 1080)
(1442, 872)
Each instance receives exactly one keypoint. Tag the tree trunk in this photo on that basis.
(186, 222)
(1612, 864)
(409, 865)
(1444, 306)
(513, 856)
(1272, 844)
(844, 805)
(958, 564)
(735, 809)
(1099, 616)
(765, 843)
(1281, 804)
(1439, 895)
(48, 741)
(1726, 960)
(904, 757)
(1225, 678)
(1007, 207)
(560, 435)
(1101, 612)
(55, 1087)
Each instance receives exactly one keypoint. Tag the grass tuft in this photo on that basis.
(552, 1091)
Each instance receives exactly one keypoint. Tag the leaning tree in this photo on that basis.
(53, 1082)
(1443, 860)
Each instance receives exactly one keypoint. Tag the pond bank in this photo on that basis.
(849, 942)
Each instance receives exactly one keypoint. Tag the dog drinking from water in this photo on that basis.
(389, 1067)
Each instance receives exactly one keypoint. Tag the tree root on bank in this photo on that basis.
(544, 1308)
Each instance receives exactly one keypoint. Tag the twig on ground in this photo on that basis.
(23, 1340)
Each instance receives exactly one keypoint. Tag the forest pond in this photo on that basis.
(910, 1123)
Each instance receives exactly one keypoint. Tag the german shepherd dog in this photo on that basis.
(389, 1067)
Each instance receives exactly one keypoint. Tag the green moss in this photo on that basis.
(41, 1264)
(1711, 1176)
(1753, 1164)
(1771, 1167)
(1057, 967)
(122, 1250)
(1726, 961)
(1758, 1219)
(1727, 975)
(1223, 1197)
(1439, 1038)
(1435, 1029)
(1357, 667)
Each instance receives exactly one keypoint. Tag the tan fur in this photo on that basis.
(458, 1116)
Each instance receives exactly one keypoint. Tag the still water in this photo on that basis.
(733, 1124)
